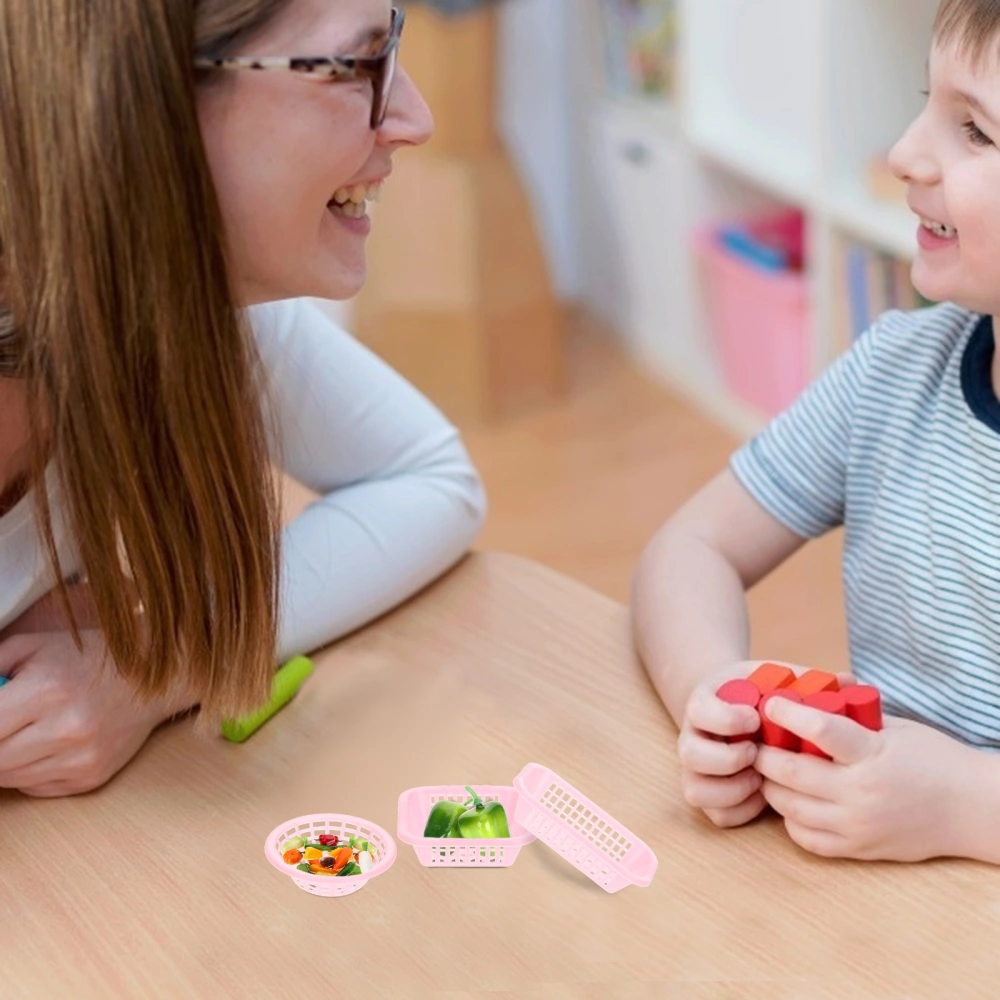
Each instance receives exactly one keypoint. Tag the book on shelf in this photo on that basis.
(637, 42)
(869, 283)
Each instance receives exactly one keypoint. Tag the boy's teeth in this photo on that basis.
(939, 228)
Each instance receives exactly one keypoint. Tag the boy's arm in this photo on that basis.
(688, 606)
(980, 829)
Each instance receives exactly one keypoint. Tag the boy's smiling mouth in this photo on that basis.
(939, 229)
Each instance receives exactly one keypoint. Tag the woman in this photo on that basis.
(177, 179)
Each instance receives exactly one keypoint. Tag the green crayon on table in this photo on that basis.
(287, 681)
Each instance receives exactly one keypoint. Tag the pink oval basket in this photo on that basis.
(581, 831)
(415, 804)
(338, 825)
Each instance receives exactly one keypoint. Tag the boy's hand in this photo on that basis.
(716, 776)
(894, 795)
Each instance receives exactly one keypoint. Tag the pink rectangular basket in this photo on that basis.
(581, 831)
(415, 804)
(759, 320)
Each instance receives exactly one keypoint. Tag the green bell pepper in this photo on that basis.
(442, 819)
(484, 821)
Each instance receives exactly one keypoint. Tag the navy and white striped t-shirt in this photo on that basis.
(899, 442)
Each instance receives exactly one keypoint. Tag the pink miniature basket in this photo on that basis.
(337, 824)
(581, 831)
(415, 804)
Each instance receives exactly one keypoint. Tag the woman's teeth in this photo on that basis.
(351, 201)
(939, 228)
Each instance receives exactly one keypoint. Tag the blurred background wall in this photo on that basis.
(643, 227)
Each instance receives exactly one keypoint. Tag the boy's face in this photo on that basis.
(950, 161)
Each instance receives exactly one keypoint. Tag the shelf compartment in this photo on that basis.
(750, 75)
(876, 66)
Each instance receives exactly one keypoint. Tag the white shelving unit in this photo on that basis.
(781, 103)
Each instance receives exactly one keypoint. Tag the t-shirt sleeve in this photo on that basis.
(796, 468)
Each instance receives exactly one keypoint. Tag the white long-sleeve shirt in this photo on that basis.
(399, 502)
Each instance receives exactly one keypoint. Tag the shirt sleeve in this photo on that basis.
(796, 468)
(400, 501)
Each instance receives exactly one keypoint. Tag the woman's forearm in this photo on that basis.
(689, 615)
(359, 552)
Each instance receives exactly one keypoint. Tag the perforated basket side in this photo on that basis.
(588, 837)
(340, 825)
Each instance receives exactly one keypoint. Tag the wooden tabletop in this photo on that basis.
(157, 886)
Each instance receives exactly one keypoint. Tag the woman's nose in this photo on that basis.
(408, 119)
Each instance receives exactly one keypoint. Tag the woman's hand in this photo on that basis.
(48, 614)
(900, 794)
(68, 722)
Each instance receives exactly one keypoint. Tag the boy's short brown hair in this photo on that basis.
(973, 24)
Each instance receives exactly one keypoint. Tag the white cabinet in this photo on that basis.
(780, 102)
(642, 176)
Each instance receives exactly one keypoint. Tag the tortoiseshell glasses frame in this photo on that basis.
(380, 68)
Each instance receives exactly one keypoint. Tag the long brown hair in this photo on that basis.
(143, 383)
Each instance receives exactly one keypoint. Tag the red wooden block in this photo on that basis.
(814, 681)
(864, 705)
(773, 734)
(770, 677)
(826, 701)
(739, 692)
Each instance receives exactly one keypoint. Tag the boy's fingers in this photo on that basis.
(740, 814)
(804, 810)
(700, 753)
(842, 739)
(708, 792)
(712, 715)
(823, 843)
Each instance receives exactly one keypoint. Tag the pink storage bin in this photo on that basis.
(434, 852)
(759, 320)
(339, 825)
(542, 805)
(589, 838)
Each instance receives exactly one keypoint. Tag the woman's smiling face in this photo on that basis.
(285, 148)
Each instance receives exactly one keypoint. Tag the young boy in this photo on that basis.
(899, 442)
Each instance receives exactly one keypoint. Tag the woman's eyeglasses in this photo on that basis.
(380, 68)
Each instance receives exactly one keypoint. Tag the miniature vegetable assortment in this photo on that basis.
(483, 821)
(329, 855)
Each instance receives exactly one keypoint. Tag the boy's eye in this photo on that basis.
(976, 135)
